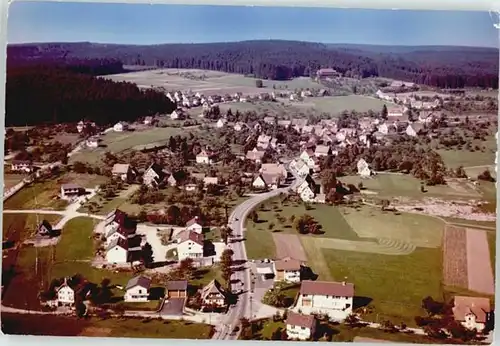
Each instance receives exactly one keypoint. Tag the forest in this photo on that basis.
(51, 92)
(444, 67)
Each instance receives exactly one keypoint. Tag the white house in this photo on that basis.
(177, 115)
(221, 123)
(190, 245)
(22, 166)
(120, 127)
(287, 269)
(137, 289)
(117, 252)
(259, 182)
(307, 156)
(322, 150)
(395, 112)
(267, 180)
(69, 191)
(80, 126)
(114, 219)
(120, 232)
(205, 157)
(238, 126)
(154, 175)
(363, 168)
(65, 294)
(213, 295)
(274, 169)
(414, 129)
(299, 326)
(472, 312)
(302, 168)
(308, 190)
(45, 228)
(124, 171)
(194, 225)
(334, 299)
(383, 128)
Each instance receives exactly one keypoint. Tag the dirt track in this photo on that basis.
(478, 262)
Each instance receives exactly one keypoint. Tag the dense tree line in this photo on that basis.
(453, 67)
(55, 94)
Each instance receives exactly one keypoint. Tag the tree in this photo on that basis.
(259, 83)
(225, 233)
(226, 263)
(147, 255)
(254, 216)
(307, 225)
(328, 179)
(385, 204)
(486, 176)
(186, 268)
(385, 113)
(80, 308)
(274, 297)
(352, 320)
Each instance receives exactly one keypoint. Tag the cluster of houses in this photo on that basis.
(408, 101)
(336, 300)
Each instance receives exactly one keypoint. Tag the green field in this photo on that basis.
(76, 240)
(396, 284)
(124, 327)
(337, 104)
(333, 223)
(387, 185)
(455, 158)
(119, 141)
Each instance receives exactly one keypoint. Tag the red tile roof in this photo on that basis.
(475, 305)
(287, 264)
(306, 321)
(327, 288)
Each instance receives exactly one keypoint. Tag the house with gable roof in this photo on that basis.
(155, 176)
(472, 312)
(334, 299)
(45, 228)
(65, 294)
(300, 326)
(124, 171)
(363, 168)
(190, 245)
(309, 190)
(194, 225)
(137, 289)
(205, 157)
(213, 295)
(322, 150)
(287, 269)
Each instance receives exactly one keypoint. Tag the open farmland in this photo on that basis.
(337, 104)
(115, 142)
(455, 257)
(480, 273)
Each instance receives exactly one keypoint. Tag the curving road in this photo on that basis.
(236, 222)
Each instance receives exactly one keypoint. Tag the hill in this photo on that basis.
(445, 67)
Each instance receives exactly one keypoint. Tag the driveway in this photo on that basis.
(173, 307)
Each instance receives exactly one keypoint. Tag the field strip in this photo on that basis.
(478, 262)
(289, 245)
(455, 271)
(382, 246)
(316, 260)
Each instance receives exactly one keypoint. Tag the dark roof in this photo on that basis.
(119, 218)
(123, 231)
(179, 285)
(21, 162)
(326, 288)
(139, 281)
(306, 321)
(159, 170)
(123, 243)
(45, 224)
(70, 186)
(214, 287)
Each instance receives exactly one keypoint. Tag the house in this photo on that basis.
(426, 117)
(22, 166)
(306, 155)
(190, 187)
(154, 175)
(69, 191)
(148, 120)
(178, 114)
(395, 112)
(205, 157)
(114, 220)
(275, 169)
(80, 126)
(238, 126)
(326, 73)
(45, 228)
(92, 142)
(117, 251)
(194, 225)
(472, 312)
(383, 128)
(308, 189)
(302, 168)
(363, 168)
(259, 183)
(255, 155)
(269, 120)
(414, 129)
(287, 269)
(284, 123)
(212, 295)
(274, 143)
(266, 181)
(322, 150)
(65, 294)
(124, 171)
(190, 245)
(221, 123)
(176, 289)
(120, 127)
(137, 289)
(210, 181)
(120, 232)
(300, 326)
(334, 299)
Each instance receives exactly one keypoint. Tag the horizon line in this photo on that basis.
(254, 40)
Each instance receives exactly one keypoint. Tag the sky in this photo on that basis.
(156, 24)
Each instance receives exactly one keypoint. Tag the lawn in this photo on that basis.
(115, 142)
(454, 158)
(337, 104)
(259, 244)
(396, 285)
(474, 171)
(76, 240)
(203, 276)
(134, 328)
(45, 194)
(333, 223)
(19, 227)
(387, 186)
(420, 230)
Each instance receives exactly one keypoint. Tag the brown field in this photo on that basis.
(289, 245)
(11, 180)
(96, 331)
(455, 257)
(478, 262)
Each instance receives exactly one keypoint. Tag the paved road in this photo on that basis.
(236, 222)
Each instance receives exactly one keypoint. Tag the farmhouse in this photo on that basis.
(287, 269)
(194, 225)
(176, 289)
(472, 312)
(309, 189)
(69, 191)
(212, 295)
(65, 294)
(154, 176)
(238, 126)
(299, 326)
(255, 155)
(266, 181)
(414, 129)
(322, 150)
(120, 232)
(334, 299)
(363, 168)
(302, 168)
(137, 289)
(205, 157)
(117, 251)
(120, 127)
(178, 114)
(221, 123)
(325, 73)
(44, 228)
(395, 112)
(307, 156)
(124, 171)
(190, 245)
(114, 219)
(22, 166)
